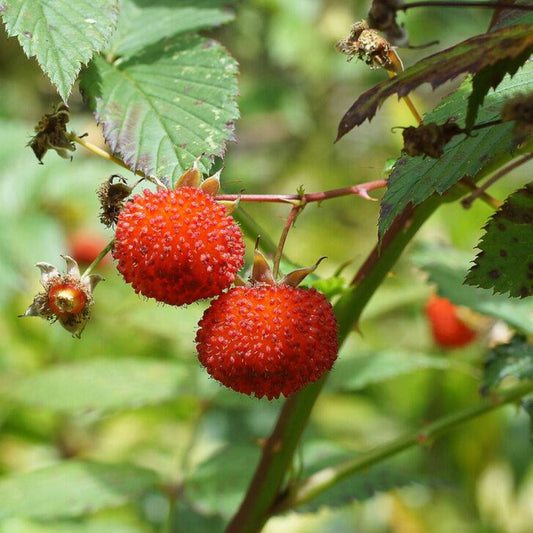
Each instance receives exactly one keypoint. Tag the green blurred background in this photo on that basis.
(294, 89)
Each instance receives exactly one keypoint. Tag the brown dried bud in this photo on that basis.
(520, 109)
(67, 297)
(51, 133)
(368, 46)
(429, 139)
(112, 198)
(382, 17)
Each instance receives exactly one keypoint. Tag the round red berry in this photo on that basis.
(448, 330)
(177, 246)
(267, 340)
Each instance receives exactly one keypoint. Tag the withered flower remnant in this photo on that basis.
(51, 133)
(429, 139)
(112, 196)
(368, 46)
(67, 297)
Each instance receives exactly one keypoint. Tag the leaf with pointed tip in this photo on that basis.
(165, 107)
(489, 78)
(415, 179)
(471, 56)
(102, 386)
(72, 488)
(513, 359)
(63, 35)
(505, 263)
(164, 19)
(447, 268)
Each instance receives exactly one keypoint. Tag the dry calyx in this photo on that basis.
(67, 297)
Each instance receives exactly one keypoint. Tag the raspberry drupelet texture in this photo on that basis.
(268, 340)
(177, 246)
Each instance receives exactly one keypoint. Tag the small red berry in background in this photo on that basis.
(448, 330)
(84, 246)
(177, 246)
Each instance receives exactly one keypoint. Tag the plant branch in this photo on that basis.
(361, 190)
(279, 448)
(485, 5)
(326, 478)
(480, 191)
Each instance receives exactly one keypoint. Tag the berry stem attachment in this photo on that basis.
(279, 252)
(99, 257)
(298, 200)
(480, 191)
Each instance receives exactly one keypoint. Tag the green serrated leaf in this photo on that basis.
(72, 488)
(168, 105)
(447, 267)
(330, 287)
(218, 484)
(164, 19)
(505, 263)
(102, 385)
(513, 359)
(63, 35)
(415, 179)
(487, 78)
(356, 373)
(471, 56)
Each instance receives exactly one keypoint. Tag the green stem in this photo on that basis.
(280, 446)
(326, 478)
(99, 257)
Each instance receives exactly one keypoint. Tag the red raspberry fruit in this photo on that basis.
(268, 339)
(448, 330)
(177, 246)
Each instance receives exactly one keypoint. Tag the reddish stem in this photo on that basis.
(288, 224)
(361, 190)
(487, 5)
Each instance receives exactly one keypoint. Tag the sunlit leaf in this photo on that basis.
(505, 263)
(63, 35)
(471, 56)
(415, 179)
(514, 359)
(72, 488)
(447, 268)
(164, 19)
(102, 385)
(168, 105)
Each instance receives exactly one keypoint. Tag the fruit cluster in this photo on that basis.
(180, 245)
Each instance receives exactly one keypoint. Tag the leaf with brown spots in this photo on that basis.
(505, 263)
(471, 56)
(166, 106)
(63, 35)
